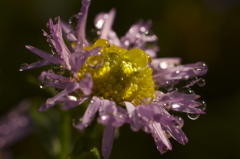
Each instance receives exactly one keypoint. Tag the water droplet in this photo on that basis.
(51, 36)
(200, 69)
(24, 64)
(58, 69)
(50, 44)
(47, 25)
(169, 88)
(186, 77)
(54, 51)
(103, 117)
(114, 58)
(167, 82)
(43, 85)
(56, 19)
(73, 98)
(194, 78)
(100, 20)
(202, 83)
(178, 122)
(95, 61)
(166, 106)
(93, 35)
(73, 21)
(203, 106)
(186, 90)
(137, 56)
(151, 44)
(193, 116)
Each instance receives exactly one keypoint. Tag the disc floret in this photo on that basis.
(119, 74)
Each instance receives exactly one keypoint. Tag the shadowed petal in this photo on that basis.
(107, 142)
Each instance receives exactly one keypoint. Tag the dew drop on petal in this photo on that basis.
(150, 44)
(103, 117)
(56, 19)
(54, 52)
(186, 90)
(202, 83)
(200, 69)
(47, 25)
(194, 78)
(41, 86)
(193, 116)
(24, 64)
(72, 98)
(73, 21)
(186, 77)
(203, 106)
(58, 69)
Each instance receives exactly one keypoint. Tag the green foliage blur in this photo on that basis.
(195, 30)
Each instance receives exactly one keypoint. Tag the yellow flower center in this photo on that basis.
(119, 74)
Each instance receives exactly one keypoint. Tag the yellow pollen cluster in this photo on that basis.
(119, 74)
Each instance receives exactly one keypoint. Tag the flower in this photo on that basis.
(121, 76)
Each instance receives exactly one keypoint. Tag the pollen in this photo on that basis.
(119, 74)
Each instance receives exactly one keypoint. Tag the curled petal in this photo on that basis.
(58, 41)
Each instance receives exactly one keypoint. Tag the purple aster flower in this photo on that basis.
(15, 125)
(122, 78)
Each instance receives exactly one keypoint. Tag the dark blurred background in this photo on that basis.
(195, 30)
